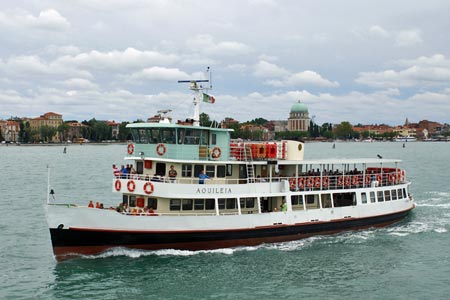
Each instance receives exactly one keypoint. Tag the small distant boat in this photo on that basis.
(405, 139)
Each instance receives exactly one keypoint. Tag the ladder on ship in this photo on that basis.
(249, 163)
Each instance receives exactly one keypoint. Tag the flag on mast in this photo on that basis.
(208, 98)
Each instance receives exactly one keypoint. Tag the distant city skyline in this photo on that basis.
(357, 61)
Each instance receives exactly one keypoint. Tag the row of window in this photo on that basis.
(219, 171)
(186, 136)
(209, 204)
(387, 195)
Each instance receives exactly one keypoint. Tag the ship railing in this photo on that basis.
(192, 180)
(343, 181)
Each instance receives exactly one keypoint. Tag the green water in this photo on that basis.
(408, 261)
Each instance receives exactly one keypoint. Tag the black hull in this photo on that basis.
(75, 241)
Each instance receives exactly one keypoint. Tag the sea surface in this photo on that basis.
(410, 260)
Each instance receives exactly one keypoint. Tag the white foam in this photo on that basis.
(440, 230)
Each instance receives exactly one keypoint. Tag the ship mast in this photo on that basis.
(198, 94)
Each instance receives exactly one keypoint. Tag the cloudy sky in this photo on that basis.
(359, 61)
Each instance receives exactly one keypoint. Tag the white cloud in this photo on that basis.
(159, 74)
(378, 31)
(267, 69)
(80, 83)
(421, 72)
(206, 44)
(49, 19)
(408, 38)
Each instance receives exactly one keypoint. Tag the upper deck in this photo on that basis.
(186, 142)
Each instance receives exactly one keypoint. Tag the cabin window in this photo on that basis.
(380, 196)
(152, 202)
(231, 203)
(210, 171)
(213, 138)
(394, 194)
(186, 170)
(175, 204)
(199, 204)
(372, 197)
(326, 200)
(192, 136)
(154, 136)
(399, 193)
(221, 171)
(404, 194)
(132, 200)
(135, 134)
(143, 138)
(221, 203)
(247, 202)
(168, 135)
(344, 199)
(125, 199)
(198, 169)
(310, 199)
(229, 170)
(363, 198)
(297, 200)
(186, 204)
(209, 204)
(387, 195)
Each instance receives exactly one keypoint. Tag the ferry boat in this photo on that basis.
(195, 188)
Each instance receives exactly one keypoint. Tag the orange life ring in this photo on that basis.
(368, 180)
(148, 185)
(131, 185)
(216, 152)
(317, 182)
(118, 185)
(325, 182)
(130, 149)
(403, 176)
(292, 184)
(161, 149)
(309, 182)
(301, 183)
(347, 181)
(355, 180)
(340, 181)
(379, 178)
(391, 177)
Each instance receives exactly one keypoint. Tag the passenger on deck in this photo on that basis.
(123, 172)
(116, 171)
(202, 176)
(172, 174)
(91, 204)
(97, 205)
(283, 205)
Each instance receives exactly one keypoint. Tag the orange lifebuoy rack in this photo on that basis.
(130, 148)
(131, 185)
(391, 177)
(148, 185)
(340, 181)
(118, 185)
(261, 151)
(216, 152)
(161, 149)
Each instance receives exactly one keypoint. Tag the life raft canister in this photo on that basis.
(130, 149)
(131, 185)
(148, 188)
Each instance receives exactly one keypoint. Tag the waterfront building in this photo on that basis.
(49, 119)
(298, 117)
(10, 130)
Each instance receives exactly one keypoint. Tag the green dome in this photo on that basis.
(299, 107)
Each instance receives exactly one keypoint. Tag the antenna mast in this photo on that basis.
(198, 89)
